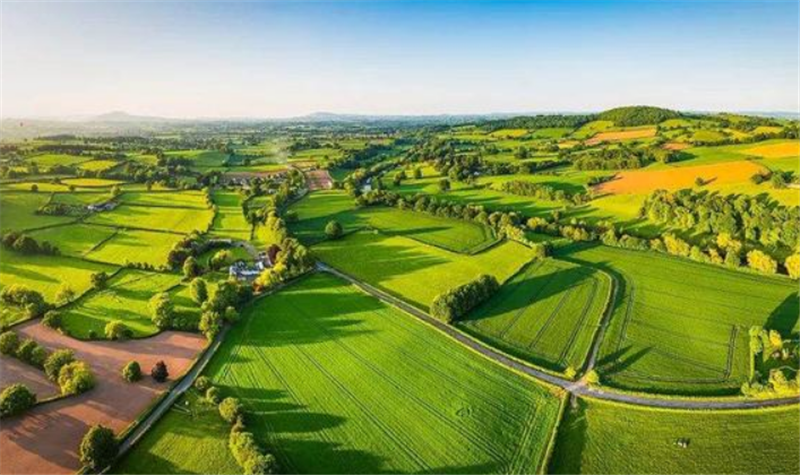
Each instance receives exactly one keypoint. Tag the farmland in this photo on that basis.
(413, 271)
(134, 246)
(173, 220)
(680, 326)
(229, 220)
(603, 437)
(548, 313)
(337, 382)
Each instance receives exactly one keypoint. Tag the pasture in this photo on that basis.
(156, 218)
(91, 182)
(317, 209)
(548, 313)
(605, 437)
(229, 220)
(125, 299)
(48, 160)
(335, 381)
(75, 240)
(98, 165)
(18, 211)
(135, 246)
(169, 199)
(413, 271)
(679, 326)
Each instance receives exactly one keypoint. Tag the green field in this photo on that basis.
(174, 220)
(170, 199)
(135, 246)
(337, 382)
(75, 240)
(229, 220)
(317, 209)
(548, 313)
(413, 271)
(126, 299)
(604, 437)
(48, 160)
(680, 326)
(18, 211)
(190, 428)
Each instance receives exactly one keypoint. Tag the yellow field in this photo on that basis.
(786, 149)
(618, 135)
(641, 181)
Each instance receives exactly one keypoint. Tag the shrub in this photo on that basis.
(191, 268)
(32, 353)
(162, 310)
(792, 265)
(99, 448)
(16, 399)
(260, 465)
(99, 280)
(199, 291)
(116, 330)
(57, 360)
(65, 294)
(210, 324)
(457, 302)
(75, 378)
(761, 262)
(593, 378)
(243, 446)
(23, 297)
(9, 342)
(334, 230)
(52, 319)
(159, 372)
(132, 372)
(213, 395)
(202, 384)
(230, 409)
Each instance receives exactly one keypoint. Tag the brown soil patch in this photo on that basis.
(46, 439)
(618, 135)
(15, 371)
(676, 146)
(677, 178)
(319, 180)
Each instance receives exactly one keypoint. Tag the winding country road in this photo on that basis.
(576, 388)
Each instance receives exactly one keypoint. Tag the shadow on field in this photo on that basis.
(617, 362)
(784, 317)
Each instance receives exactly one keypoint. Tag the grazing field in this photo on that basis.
(776, 150)
(18, 212)
(592, 128)
(135, 246)
(126, 299)
(91, 182)
(335, 381)
(643, 181)
(229, 220)
(202, 159)
(317, 209)
(548, 313)
(98, 165)
(183, 441)
(48, 160)
(413, 271)
(604, 437)
(620, 135)
(75, 239)
(170, 199)
(174, 220)
(679, 326)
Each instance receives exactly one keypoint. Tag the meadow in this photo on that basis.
(229, 220)
(605, 437)
(679, 326)
(169, 199)
(135, 246)
(157, 218)
(547, 314)
(125, 299)
(335, 381)
(75, 240)
(18, 212)
(318, 208)
(413, 271)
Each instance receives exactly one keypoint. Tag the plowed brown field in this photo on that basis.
(642, 181)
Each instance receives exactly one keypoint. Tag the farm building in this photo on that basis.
(242, 271)
(105, 206)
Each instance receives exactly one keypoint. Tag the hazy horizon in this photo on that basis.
(281, 60)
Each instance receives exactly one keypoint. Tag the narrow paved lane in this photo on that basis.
(577, 388)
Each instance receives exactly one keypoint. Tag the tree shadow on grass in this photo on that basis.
(617, 362)
(784, 317)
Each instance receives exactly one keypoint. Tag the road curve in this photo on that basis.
(577, 388)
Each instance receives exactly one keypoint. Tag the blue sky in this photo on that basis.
(277, 59)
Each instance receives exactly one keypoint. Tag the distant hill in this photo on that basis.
(638, 115)
(124, 117)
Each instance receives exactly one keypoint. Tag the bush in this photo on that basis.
(334, 230)
(230, 409)
(99, 280)
(213, 395)
(23, 297)
(202, 384)
(593, 378)
(260, 465)
(99, 448)
(75, 378)
(162, 310)
(132, 372)
(191, 268)
(16, 399)
(159, 372)
(457, 302)
(32, 353)
(116, 330)
(52, 319)
(199, 291)
(57, 360)
(9, 342)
